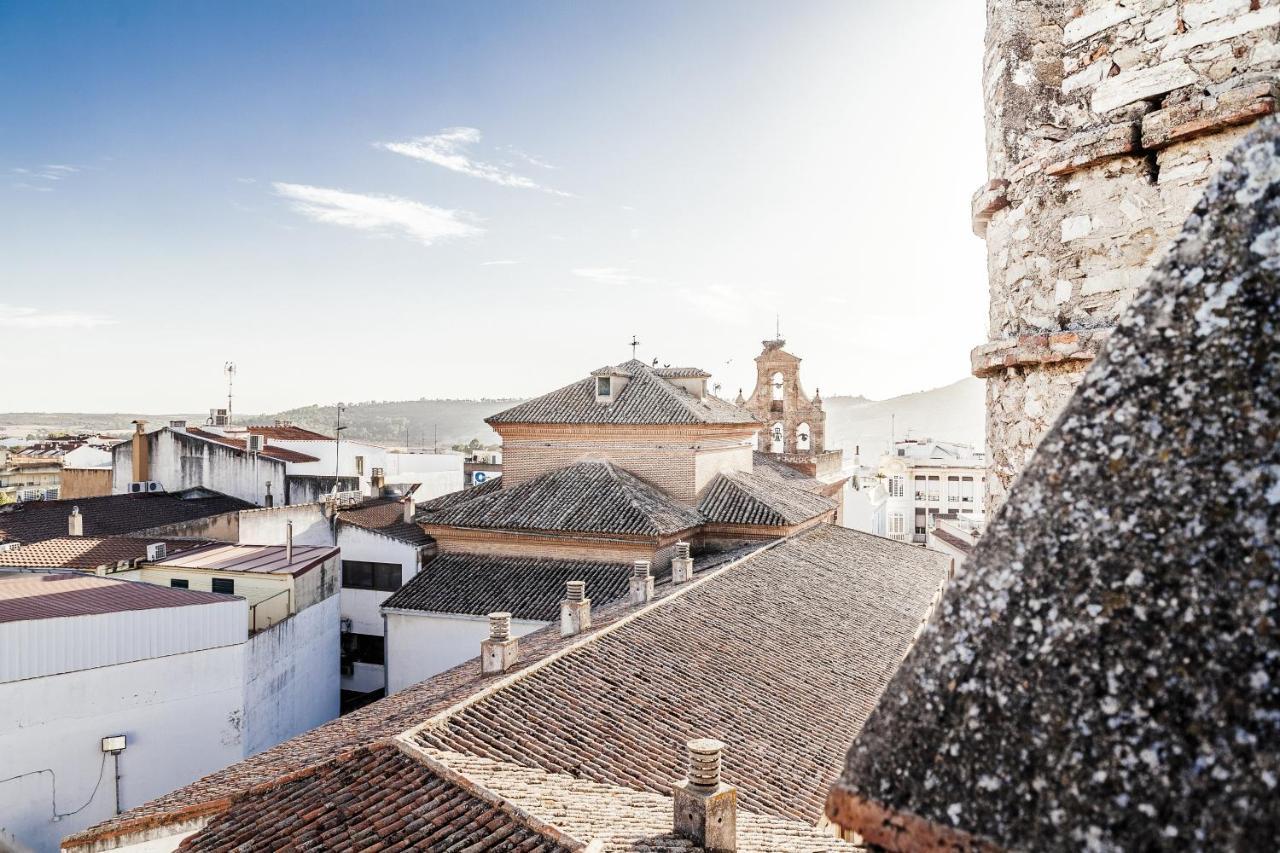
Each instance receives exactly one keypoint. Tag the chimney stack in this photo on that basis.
(682, 564)
(288, 542)
(377, 482)
(410, 509)
(641, 583)
(705, 808)
(501, 651)
(75, 522)
(575, 610)
(141, 453)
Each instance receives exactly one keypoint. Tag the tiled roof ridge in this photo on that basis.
(441, 717)
(268, 449)
(533, 823)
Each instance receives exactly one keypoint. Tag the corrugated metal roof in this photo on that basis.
(250, 559)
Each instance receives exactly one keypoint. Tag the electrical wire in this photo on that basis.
(53, 786)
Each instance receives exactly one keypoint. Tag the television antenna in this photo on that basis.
(229, 369)
(634, 343)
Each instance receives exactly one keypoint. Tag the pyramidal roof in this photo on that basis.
(585, 497)
(1105, 671)
(648, 398)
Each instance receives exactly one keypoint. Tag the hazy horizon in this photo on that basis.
(404, 201)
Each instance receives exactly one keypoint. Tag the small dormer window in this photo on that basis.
(603, 386)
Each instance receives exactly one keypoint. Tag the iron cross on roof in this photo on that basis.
(634, 343)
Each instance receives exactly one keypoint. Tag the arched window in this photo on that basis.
(777, 442)
(802, 438)
(776, 384)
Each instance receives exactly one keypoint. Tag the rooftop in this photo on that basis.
(737, 497)
(288, 432)
(112, 515)
(648, 398)
(29, 596)
(89, 552)
(586, 497)
(822, 618)
(250, 559)
(385, 516)
(1103, 672)
(284, 454)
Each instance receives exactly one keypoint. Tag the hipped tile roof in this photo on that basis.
(385, 516)
(1104, 672)
(462, 495)
(527, 587)
(737, 497)
(112, 515)
(648, 398)
(586, 497)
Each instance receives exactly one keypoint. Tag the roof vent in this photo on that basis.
(255, 442)
(75, 522)
(575, 610)
(682, 564)
(9, 546)
(501, 651)
(641, 583)
(178, 425)
(705, 808)
(157, 551)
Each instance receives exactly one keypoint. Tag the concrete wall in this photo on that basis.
(305, 489)
(363, 606)
(87, 456)
(291, 677)
(182, 714)
(224, 527)
(84, 482)
(710, 463)
(180, 461)
(267, 526)
(419, 645)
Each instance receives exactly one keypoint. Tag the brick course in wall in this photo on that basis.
(1105, 120)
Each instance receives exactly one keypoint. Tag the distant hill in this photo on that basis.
(954, 412)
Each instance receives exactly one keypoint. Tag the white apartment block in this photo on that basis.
(925, 479)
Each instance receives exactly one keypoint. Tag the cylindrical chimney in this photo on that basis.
(75, 522)
(141, 453)
(704, 762)
(288, 542)
(499, 626)
(642, 568)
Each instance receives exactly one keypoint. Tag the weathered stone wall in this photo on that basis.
(1105, 120)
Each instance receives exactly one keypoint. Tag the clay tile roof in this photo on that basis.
(586, 497)
(527, 587)
(460, 496)
(112, 515)
(782, 655)
(736, 497)
(373, 798)
(89, 552)
(385, 516)
(648, 398)
(27, 596)
(959, 543)
(289, 433)
(1104, 671)
(767, 466)
(284, 454)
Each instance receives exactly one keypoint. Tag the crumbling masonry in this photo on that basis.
(1105, 121)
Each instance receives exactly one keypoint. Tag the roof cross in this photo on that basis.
(634, 343)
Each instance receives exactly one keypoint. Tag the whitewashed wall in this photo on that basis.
(419, 645)
(439, 473)
(180, 461)
(362, 606)
(267, 526)
(291, 676)
(181, 710)
(87, 456)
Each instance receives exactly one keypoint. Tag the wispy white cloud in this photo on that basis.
(247, 180)
(609, 275)
(22, 317)
(531, 159)
(385, 215)
(497, 263)
(451, 149)
(50, 172)
(22, 185)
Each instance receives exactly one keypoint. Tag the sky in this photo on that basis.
(388, 201)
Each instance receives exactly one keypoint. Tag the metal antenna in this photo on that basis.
(634, 343)
(230, 370)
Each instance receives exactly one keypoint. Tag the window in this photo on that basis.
(359, 466)
(179, 583)
(364, 648)
(776, 384)
(362, 574)
(920, 522)
(922, 489)
(802, 437)
(777, 443)
(896, 486)
(935, 489)
(966, 490)
(603, 386)
(953, 488)
(226, 586)
(897, 524)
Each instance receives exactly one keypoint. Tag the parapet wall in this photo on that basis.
(1105, 120)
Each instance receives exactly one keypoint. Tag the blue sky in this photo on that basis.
(404, 200)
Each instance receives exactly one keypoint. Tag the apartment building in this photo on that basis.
(924, 479)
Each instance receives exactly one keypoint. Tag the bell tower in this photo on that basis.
(795, 424)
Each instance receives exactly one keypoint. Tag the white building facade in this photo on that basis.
(924, 479)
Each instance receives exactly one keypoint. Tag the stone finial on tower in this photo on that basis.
(575, 610)
(705, 809)
(501, 651)
(682, 564)
(641, 583)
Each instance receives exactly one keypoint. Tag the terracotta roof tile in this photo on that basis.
(586, 497)
(648, 398)
(89, 552)
(284, 454)
(385, 516)
(737, 497)
(289, 433)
